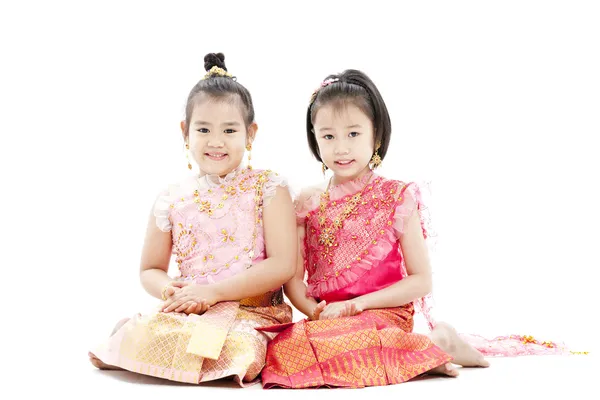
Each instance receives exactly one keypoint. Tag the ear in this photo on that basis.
(251, 134)
(182, 126)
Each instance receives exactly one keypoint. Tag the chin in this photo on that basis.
(212, 170)
(347, 173)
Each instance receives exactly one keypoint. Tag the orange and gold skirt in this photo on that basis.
(373, 348)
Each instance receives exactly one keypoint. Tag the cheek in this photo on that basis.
(325, 148)
(237, 145)
(197, 143)
(365, 145)
(196, 140)
(193, 143)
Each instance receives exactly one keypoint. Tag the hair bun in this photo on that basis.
(214, 59)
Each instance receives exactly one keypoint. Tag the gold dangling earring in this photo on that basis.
(323, 168)
(249, 148)
(375, 160)
(187, 155)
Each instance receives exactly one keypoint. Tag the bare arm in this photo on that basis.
(156, 255)
(278, 267)
(418, 282)
(295, 288)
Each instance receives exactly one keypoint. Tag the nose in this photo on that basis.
(341, 150)
(215, 141)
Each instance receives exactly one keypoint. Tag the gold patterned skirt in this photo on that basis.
(374, 348)
(223, 342)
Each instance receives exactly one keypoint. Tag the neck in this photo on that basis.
(338, 180)
(223, 175)
(203, 174)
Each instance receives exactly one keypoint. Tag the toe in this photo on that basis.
(450, 370)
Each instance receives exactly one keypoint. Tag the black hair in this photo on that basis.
(219, 86)
(354, 87)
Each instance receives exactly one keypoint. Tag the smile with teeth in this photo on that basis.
(344, 162)
(216, 156)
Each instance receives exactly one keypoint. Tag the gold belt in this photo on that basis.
(264, 300)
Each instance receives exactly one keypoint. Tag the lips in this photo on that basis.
(216, 156)
(344, 163)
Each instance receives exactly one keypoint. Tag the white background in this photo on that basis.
(495, 103)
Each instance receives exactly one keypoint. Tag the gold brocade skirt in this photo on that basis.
(223, 342)
(373, 348)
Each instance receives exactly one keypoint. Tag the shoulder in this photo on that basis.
(400, 188)
(307, 200)
(167, 198)
(267, 176)
(309, 193)
(180, 188)
(269, 183)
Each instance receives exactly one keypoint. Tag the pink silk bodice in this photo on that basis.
(364, 254)
(216, 223)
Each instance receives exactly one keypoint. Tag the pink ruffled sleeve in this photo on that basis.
(167, 198)
(162, 210)
(410, 200)
(270, 189)
(305, 203)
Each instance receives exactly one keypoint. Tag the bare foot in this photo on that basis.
(446, 337)
(96, 362)
(446, 369)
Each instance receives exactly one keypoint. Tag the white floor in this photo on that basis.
(507, 377)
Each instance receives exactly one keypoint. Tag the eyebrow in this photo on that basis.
(349, 126)
(229, 123)
(202, 123)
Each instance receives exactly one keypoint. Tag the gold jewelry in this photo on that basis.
(249, 148)
(187, 155)
(323, 168)
(376, 159)
(217, 71)
(327, 235)
(163, 293)
(206, 206)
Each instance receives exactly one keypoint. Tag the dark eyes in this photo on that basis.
(205, 130)
(351, 134)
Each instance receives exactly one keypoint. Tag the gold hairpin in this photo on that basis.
(217, 71)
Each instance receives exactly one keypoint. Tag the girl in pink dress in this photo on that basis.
(364, 257)
(233, 232)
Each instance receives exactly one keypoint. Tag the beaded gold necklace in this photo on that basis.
(328, 233)
(205, 206)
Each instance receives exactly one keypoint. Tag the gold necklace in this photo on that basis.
(327, 234)
(204, 206)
